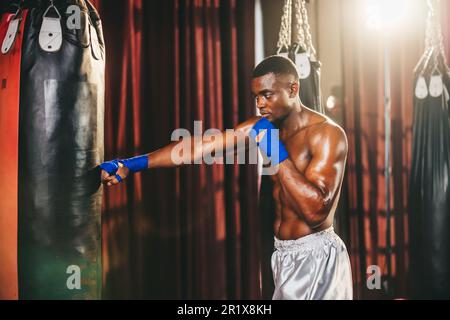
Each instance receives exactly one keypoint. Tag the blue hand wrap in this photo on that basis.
(136, 164)
(269, 141)
(111, 166)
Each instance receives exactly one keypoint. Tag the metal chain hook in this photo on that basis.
(284, 38)
(52, 5)
(436, 37)
(299, 36)
(19, 9)
(310, 48)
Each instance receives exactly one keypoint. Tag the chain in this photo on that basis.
(284, 38)
(302, 35)
(307, 28)
(299, 36)
(440, 38)
(434, 40)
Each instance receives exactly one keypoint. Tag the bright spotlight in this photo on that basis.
(384, 14)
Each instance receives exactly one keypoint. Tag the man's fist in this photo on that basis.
(113, 172)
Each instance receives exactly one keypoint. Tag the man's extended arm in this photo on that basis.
(170, 156)
(228, 142)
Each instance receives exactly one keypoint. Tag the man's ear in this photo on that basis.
(295, 86)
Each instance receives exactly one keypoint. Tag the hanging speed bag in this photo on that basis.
(11, 32)
(60, 145)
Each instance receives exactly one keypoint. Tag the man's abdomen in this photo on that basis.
(289, 224)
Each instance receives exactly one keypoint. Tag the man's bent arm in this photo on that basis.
(312, 193)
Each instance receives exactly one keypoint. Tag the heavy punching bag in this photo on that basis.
(60, 145)
(12, 23)
(429, 191)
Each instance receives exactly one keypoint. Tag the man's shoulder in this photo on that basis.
(327, 129)
(325, 132)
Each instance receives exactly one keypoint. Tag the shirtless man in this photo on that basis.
(310, 261)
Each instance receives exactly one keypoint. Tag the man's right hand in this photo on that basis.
(263, 132)
(113, 172)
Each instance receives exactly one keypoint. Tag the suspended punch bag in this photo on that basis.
(429, 192)
(61, 142)
(12, 20)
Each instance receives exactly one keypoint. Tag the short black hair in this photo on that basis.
(277, 65)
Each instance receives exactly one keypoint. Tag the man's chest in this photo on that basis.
(299, 152)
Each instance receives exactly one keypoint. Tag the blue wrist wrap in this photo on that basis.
(267, 139)
(111, 166)
(136, 164)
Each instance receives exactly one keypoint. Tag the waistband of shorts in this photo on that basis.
(310, 241)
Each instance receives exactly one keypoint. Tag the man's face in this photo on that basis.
(273, 95)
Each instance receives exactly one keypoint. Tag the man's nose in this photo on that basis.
(260, 103)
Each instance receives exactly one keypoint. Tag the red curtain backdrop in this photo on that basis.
(193, 232)
(361, 219)
(364, 123)
(190, 232)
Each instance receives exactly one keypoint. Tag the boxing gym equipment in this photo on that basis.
(61, 115)
(429, 192)
(11, 33)
(295, 42)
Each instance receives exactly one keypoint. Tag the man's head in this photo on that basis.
(275, 86)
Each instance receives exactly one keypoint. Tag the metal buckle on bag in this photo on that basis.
(13, 30)
(282, 53)
(303, 65)
(50, 35)
(421, 90)
(302, 62)
(436, 87)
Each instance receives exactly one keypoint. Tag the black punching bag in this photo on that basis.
(60, 145)
(429, 191)
(309, 72)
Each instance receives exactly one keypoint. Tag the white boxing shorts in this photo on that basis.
(314, 267)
